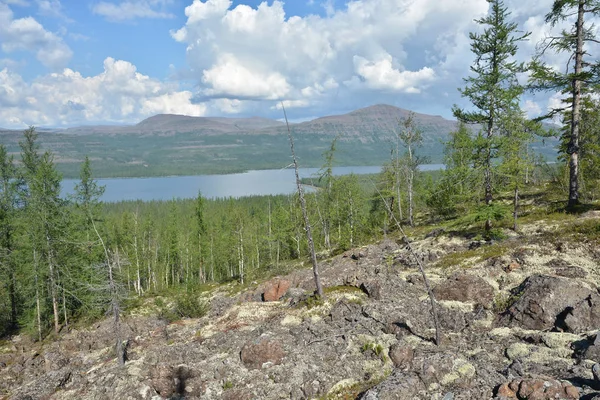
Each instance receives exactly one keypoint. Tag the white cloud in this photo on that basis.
(230, 78)
(382, 75)
(358, 53)
(29, 35)
(52, 8)
(132, 9)
(119, 94)
(531, 108)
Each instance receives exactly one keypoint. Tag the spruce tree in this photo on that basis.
(493, 88)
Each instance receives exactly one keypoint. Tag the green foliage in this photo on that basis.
(227, 385)
(502, 301)
(580, 77)
(190, 305)
(494, 91)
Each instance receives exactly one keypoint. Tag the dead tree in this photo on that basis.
(307, 229)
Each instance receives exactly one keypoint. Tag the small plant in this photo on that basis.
(187, 305)
(376, 348)
(312, 301)
(502, 302)
(227, 385)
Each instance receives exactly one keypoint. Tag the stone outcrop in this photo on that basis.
(544, 302)
(262, 353)
(465, 287)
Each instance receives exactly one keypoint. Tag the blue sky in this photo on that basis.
(76, 62)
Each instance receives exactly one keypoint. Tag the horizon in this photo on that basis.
(282, 120)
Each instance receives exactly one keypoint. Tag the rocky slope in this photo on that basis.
(519, 318)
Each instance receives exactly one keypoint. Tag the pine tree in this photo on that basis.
(580, 74)
(493, 89)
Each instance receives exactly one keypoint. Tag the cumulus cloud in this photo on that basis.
(132, 9)
(119, 94)
(382, 75)
(29, 35)
(412, 54)
(364, 49)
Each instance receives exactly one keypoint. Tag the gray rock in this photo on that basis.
(466, 288)
(544, 302)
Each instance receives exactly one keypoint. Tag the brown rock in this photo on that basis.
(513, 266)
(276, 290)
(401, 356)
(163, 380)
(257, 353)
(537, 389)
(466, 288)
(505, 392)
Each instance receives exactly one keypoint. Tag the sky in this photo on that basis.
(77, 62)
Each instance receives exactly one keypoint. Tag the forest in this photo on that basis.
(69, 261)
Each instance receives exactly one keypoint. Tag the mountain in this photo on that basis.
(168, 144)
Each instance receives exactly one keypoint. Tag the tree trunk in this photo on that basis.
(410, 179)
(516, 208)
(12, 292)
(64, 300)
(37, 297)
(573, 146)
(241, 254)
(53, 288)
(307, 228)
(397, 175)
(488, 172)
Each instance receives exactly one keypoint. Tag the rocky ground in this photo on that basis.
(519, 320)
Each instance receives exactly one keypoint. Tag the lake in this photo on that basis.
(251, 183)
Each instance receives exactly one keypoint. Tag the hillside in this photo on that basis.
(181, 145)
(519, 320)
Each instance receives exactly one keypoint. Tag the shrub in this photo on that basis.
(189, 305)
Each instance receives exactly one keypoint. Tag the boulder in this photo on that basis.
(401, 356)
(372, 289)
(276, 289)
(465, 288)
(545, 302)
(163, 380)
(261, 353)
(399, 386)
(584, 316)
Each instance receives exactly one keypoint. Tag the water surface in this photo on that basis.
(251, 183)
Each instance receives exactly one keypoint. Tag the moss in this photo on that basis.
(477, 255)
(517, 351)
(342, 289)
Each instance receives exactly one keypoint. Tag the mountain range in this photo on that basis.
(168, 144)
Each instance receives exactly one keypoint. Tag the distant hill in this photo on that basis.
(168, 144)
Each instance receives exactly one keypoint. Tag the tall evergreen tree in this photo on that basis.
(9, 184)
(493, 88)
(581, 73)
